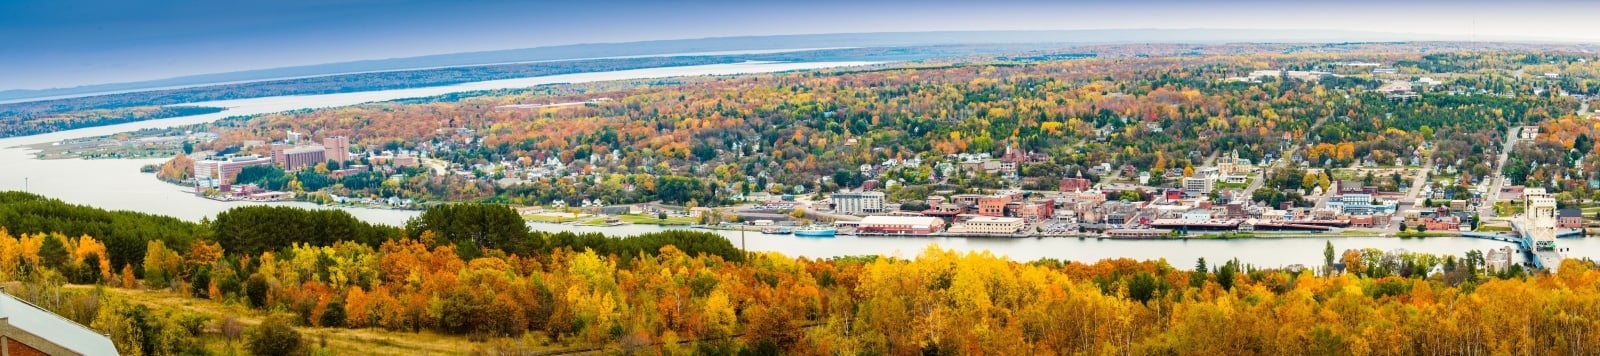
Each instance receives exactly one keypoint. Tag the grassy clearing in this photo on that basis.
(335, 341)
(653, 220)
(548, 218)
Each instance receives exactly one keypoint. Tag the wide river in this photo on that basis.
(117, 184)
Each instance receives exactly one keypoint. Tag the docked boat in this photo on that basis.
(816, 232)
(777, 231)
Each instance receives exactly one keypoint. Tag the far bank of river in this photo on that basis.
(117, 184)
(1267, 252)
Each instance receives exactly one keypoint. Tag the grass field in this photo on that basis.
(557, 218)
(651, 219)
(334, 341)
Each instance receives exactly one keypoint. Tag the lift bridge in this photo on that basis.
(1536, 229)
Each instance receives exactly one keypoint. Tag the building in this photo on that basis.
(27, 329)
(993, 205)
(988, 225)
(222, 172)
(1499, 259)
(1077, 184)
(1356, 187)
(1442, 223)
(1038, 210)
(1360, 204)
(1196, 186)
(1569, 219)
(293, 158)
(1197, 215)
(338, 148)
(1138, 233)
(857, 203)
(900, 225)
(965, 199)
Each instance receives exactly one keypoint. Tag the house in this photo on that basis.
(1569, 219)
(31, 330)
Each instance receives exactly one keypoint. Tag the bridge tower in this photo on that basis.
(1539, 216)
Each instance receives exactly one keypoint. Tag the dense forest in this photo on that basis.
(31, 123)
(689, 292)
(703, 142)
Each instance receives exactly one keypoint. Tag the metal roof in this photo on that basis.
(54, 328)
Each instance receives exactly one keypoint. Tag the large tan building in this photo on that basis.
(293, 158)
(338, 148)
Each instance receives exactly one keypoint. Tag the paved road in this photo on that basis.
(1487, 207)
(1420, 180)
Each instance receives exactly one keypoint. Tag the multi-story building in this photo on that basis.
(993, 205)
(338, 148)
(1037, 211)
(857, 203)
(907, 225)
(988, 225)
(1195, 186)
(293, 158)
(223, 171)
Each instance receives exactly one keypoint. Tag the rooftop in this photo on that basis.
(53, 328)
(899, 220)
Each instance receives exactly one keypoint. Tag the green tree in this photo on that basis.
(1225, 275)
(275, 336)
(1142, 287)
(483, 225)
(1327, 254)
(1197, 277)
(52, 253)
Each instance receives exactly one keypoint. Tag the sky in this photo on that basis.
(65, 43)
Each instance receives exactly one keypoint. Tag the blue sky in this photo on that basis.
(63, 43)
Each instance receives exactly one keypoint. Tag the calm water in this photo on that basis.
(117, 184)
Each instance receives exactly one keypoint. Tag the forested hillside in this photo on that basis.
(690, 292)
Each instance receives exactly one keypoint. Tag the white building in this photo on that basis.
(1197, 186)
(1197, 215)
(988, 225)
(857, 203)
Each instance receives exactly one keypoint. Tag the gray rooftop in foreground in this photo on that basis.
(55, 328)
